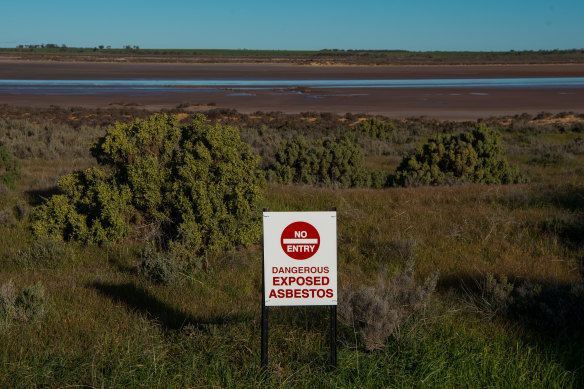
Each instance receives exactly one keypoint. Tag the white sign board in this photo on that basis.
(300, 258)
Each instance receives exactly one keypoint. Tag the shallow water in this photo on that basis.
(139, 87)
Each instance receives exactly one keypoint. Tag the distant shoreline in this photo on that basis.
(298, 57)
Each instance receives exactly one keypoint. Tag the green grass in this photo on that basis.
(108, 329)
(106, 326)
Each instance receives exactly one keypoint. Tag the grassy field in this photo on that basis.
(507, 310)
(331, 56)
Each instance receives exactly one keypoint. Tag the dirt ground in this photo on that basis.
(442, 103)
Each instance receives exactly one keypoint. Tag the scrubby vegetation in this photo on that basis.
(27, 305)
(197, 185)
(507, 308)
(133, 53)
(376, 128)
(379, 312)
(473, 156)
(327, 161)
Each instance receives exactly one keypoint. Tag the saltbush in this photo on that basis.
(199, 182)
(473, 156)
(379, 312)
(27, 306)
(160, 268)
(45, 252)
(327, 161)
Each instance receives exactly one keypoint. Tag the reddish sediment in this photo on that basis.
(455, 103)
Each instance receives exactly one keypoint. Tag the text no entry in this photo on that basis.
(300, 240)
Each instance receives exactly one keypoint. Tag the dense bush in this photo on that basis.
(327, 161)
(198, 182)
(473, 156)
(9, 168)
(376, 128)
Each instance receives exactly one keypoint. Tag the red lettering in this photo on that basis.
(273, 294)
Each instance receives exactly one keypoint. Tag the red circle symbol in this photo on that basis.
(300, 240)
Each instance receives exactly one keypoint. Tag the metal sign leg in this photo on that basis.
(333, 334)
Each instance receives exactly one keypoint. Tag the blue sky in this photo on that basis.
(416, 25)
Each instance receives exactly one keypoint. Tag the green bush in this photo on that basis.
(9, 168)
(376, 128)
(200, 182)
(327, 161)
(473, 156)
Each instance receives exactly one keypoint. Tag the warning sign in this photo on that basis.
(300, 240)
(300, 258)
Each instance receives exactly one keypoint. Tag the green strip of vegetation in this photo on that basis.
(334, 55)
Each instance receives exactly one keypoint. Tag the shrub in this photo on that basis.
(31, 303)
(549, 306)
(43, 251)
(160, 268)
(198, 181)
(7, 218)
(551, 158)
(327, 161)
(27, 306)
(9, 168)
(379, 312)
(376, 128)
(473, 156)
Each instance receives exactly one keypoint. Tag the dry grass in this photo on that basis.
(460, 230)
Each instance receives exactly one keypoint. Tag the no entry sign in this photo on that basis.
(300, 240)
(300, 258)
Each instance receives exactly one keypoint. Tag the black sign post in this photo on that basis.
(333, 334)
